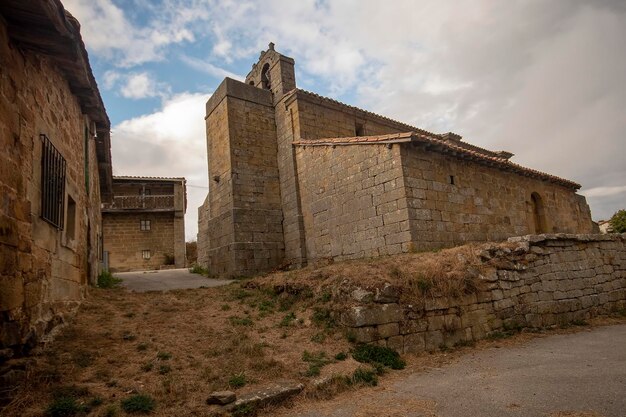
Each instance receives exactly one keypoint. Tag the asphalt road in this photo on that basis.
(167, 279)
(574, 375)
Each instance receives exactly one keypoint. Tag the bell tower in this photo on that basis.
(273, 72)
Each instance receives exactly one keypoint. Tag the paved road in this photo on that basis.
(167, 279)
(582, 373)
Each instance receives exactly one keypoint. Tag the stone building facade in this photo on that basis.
(144, 224)
(295, 177)
(55, 170)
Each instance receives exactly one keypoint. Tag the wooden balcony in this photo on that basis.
(140, 203)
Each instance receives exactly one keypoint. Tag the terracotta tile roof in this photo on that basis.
(437, 145)
(134, 178)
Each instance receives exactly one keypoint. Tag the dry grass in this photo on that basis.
(448, 272)
(176, 347)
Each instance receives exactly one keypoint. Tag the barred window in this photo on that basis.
(144, 224)
(52, 183)
(145, 254)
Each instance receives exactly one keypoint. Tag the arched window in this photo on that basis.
(265, 78)
(539, 215)
(251, 83)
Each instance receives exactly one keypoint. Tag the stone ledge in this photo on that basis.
(568, 236)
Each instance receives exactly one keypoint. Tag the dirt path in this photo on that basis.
(571, 375)
(167, 279)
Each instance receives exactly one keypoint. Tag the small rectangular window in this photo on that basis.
(145, 254)
(70, 224)
(144, 224)
(359, 129)
(452, 179)
(52, 183)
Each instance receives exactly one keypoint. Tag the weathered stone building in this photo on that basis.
(295, 177)
(144, 224)
(55, 169)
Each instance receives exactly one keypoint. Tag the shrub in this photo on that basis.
(138, 404)
(341, 356)
(323, 317)
(63, 407)
(107, 280)
(365, 377)
(237, 380)
(197, 269)
(618, 222)
(378, 354)
(164, 356)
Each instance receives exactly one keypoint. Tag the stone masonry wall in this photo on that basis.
(257, 212)
(353, 201)
(125, 241)
(452, 201)
(244, 226)
(203, 235)
(43, 270)
(537, 281)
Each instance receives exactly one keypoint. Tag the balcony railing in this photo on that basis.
(141, 202)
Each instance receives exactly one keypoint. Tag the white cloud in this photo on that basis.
(604, 191)
(107, 31)
(142, 85)
(171, 143)
(209, 68)
(136, 85)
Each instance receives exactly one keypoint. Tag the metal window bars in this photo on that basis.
(53, 167)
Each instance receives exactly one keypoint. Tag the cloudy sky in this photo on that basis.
(545, 80)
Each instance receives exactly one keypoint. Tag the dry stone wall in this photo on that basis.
(533, 281)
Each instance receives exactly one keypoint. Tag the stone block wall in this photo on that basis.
(245, 216)
(531, 282)
(125, 241)
(354, 203)
(44, 271)
(452, 201)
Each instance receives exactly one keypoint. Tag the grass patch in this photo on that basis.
(323, 317)
(138, 404)
(318, 337)
(107, 280)
(378, 354)
(363, 376)
(243, 410)
(237, 381)
(165, 369)
(240, 321)
(316, 361)
(110, 411)
(164, 356)
(288, 320)
(341, 356)
(200, 270)
(64, 407)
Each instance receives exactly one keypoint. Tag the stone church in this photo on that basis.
(295, 178)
